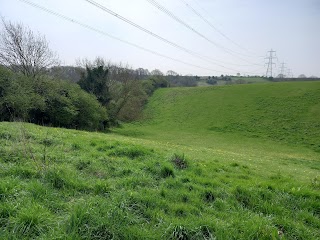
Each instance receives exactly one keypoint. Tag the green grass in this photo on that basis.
(203, 83)
(174, 176)
(251, 79)
(286, 113)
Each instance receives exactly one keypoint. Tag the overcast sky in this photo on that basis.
(250, 28)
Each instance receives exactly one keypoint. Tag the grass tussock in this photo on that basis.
(179, 161)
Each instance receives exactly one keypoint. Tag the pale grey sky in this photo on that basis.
(291, 27)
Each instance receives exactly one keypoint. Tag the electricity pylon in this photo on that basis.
(271, 63)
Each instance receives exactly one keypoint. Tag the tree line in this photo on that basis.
(93, 95)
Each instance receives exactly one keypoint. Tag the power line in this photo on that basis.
(195, 54)
(170, 14)
(212, 26)
(208, 14)
(204, 10)
(110, 36)
(140, 27)
(115, 38)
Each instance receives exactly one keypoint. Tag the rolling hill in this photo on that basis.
(285, 113)
(230, 162)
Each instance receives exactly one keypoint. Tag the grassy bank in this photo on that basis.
(231, 162)
(285, 113)
(66, 184)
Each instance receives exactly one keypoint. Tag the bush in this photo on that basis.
(46, 101)
(17, 97)
(212, 81)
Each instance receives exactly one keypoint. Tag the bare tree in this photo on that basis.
(172, 73)
(156, 72)
(302, 76)
(21, 50)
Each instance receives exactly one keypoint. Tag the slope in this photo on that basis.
(67, 184)
(285, 113)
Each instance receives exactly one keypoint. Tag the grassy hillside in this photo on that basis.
(287, 113)
(189, 172)
(234, 80)
(66, 184)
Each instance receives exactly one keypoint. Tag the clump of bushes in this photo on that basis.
(49, 102)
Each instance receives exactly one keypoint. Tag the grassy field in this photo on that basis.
(203, 82)
(284, 113)
(251, 79)
(186, 172)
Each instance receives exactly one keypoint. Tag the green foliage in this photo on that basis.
(116, 89)
(212, 81)
(159, 82)
(95, 81)
(46, 101)
(128, 100)
(17, 96)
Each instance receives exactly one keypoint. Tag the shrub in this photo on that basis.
(17, 96)
(46, 101)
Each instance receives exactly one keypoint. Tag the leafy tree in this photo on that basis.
(159, 82)
(116, 88)
(67, 105)
(91, 115)
(95, 81)
(128, 100)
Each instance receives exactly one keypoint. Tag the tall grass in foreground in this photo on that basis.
(97, 186)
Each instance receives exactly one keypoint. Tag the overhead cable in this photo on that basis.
(193, 53)
(111, 36)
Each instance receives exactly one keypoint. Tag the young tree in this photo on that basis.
(23, 51)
